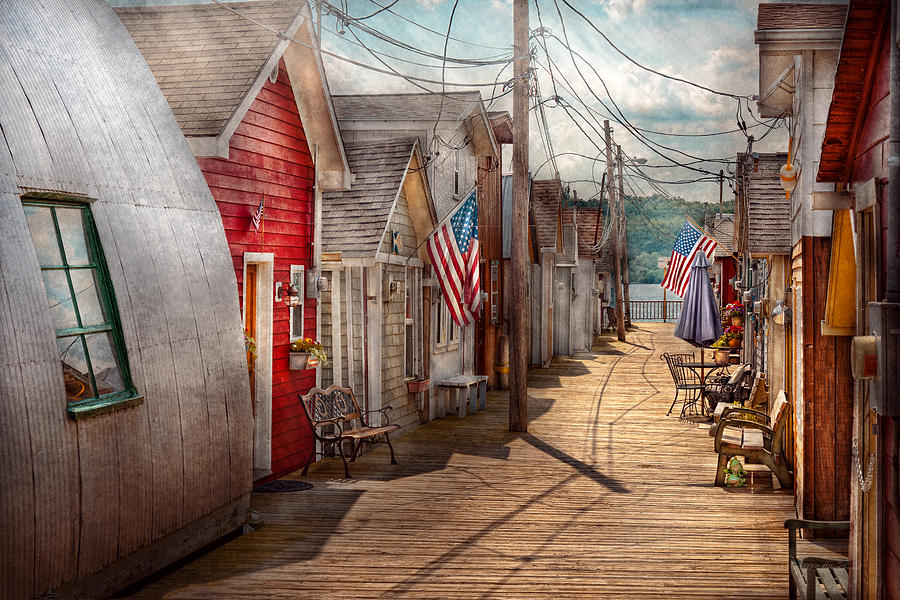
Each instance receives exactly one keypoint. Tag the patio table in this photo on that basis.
(703, 370)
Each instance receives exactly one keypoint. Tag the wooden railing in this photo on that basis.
(655, 310)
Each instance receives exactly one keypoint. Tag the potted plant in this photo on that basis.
(735, 312)
(414, 386)
(307, 353)
(721, 353)
(734, 335)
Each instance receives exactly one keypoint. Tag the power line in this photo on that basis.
(439, 33)
(646, 68)
(339, 57)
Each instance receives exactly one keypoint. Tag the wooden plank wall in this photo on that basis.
(490, 237)
(827, 397)
(269, 156)
(81, 115)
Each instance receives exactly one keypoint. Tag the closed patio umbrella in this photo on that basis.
(699, 322)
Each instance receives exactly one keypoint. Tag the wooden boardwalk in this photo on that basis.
(604, 497)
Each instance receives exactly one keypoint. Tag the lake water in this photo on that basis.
(648, 291)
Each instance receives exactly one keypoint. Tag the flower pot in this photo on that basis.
(737, 321)
(414, 386)
(300, 361)
(734, 359)
(721, 357)
(734, 343)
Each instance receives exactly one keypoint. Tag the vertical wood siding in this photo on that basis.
(827, 396)
(490, 237)
(269, 155)
(80, 114)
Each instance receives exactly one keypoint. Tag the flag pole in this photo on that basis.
(441, 223)
(709, 235)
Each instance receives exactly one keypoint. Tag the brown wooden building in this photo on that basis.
(798, 51)
(855, 156)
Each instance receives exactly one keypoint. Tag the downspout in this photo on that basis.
(317, 243)
(892, 245)
(892, 263)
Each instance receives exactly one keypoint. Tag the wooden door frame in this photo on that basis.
(265, 286)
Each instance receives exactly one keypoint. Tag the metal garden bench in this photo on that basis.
(336, 419)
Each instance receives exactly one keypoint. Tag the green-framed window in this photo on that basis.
(82, 307)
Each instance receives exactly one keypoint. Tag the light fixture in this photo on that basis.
(788, 173)
(288, 294)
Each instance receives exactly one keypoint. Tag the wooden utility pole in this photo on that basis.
(623, 239)
(519, 322)
(721, 181)
(614, 224)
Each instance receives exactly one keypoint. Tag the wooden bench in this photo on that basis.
(737, 435)
(336, 419)
(467, 391)
(816, 578)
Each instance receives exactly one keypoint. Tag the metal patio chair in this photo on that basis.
(685, 380)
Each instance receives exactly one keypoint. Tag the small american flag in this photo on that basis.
(690, 240)
(453, 249)
(257, 217)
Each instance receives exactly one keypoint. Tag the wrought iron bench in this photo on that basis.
(816, 577)
(738, 436)
(336, 419)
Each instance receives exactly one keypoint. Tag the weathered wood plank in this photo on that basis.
(576, 508)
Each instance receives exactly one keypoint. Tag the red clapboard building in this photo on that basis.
(257, 113)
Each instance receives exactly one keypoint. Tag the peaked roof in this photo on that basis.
(586, 223)
(204, 57)
(354, 221)
(545, 207)
(768, 208)
(723, 230)
(779, 15)
(402, 107)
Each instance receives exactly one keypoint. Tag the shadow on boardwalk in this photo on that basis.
(604, 497)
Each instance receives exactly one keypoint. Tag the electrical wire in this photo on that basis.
(281, 35)
(644, 67)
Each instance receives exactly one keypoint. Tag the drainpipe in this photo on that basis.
(892, 283)
(317, 243)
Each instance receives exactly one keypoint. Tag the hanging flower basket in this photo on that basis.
(734, 343)
(414, 386)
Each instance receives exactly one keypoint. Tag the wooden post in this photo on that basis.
(623, 241)
(518, 338)
(614, 223)
(665, 313)
(721, 181)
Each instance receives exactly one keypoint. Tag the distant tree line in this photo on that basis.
(653, 225)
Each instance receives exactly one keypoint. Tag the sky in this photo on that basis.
(707, 42)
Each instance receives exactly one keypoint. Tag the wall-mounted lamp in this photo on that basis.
(288, 294)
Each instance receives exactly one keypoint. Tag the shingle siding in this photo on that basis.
(204, 57)
(353, 221)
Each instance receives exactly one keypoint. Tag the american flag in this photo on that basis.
(689, 242)
(453, 249)
(258, 215)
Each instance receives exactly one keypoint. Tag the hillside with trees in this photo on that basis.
(653, 225)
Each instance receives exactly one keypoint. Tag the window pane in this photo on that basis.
(71, 229)
(103, 361)
(75, 370)
(60, 300)
(40, 222)
(84, 281)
